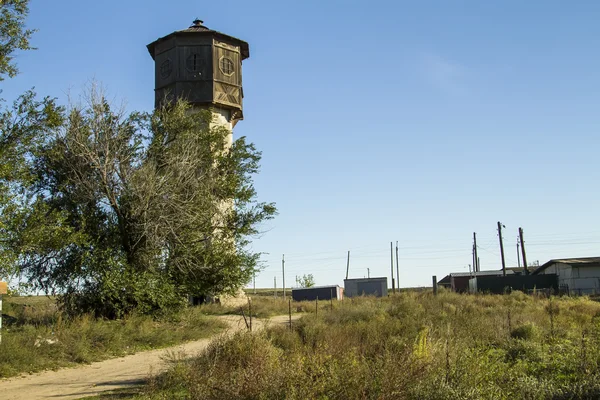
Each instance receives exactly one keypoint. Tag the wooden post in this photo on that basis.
(290, 310)
(275, 286)
(254, 282)
(523, 251)
(475, 263)
(250, 311)
(397, 269)
(348, 264)
(392, 267)
(434, 280)
(245, 320)
(501, 248)
(3, 290)
(283, 271)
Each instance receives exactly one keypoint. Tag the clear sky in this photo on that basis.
(417, 122)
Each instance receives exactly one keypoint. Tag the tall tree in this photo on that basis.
(137, 211)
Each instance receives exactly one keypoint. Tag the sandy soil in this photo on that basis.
(105, 376)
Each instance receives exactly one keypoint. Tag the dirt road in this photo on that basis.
(105, 376)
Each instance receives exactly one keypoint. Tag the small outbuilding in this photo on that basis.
(366, 286)
(459, 281)
(577, 276)
(318, 292)
(502, 284)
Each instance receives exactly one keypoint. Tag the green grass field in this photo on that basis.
(409, 346)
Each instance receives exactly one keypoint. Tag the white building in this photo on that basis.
(575, 275)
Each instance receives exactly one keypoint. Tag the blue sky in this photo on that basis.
(417, 122)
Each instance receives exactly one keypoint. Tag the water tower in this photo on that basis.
(202, 66)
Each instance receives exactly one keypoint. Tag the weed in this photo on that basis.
(409, 346)
(37, 336)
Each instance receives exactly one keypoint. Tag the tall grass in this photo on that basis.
(36, 336)
(262, 307)
(408, 346)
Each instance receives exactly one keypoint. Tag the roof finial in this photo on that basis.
(198, 22)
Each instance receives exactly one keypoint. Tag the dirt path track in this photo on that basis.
(105, 376)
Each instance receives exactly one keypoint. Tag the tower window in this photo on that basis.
(194, 62)
(166, 68)
(226, 66)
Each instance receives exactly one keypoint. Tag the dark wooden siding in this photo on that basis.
(192, 68)
(195, 63)
(166, 68)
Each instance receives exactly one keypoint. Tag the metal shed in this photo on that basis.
(317, 292)
(366, 286)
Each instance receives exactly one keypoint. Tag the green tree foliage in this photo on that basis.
(137, 211)
(13, 35)
(306, 281)
(23, 129)
(24, 126)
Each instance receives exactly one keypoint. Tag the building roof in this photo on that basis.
(509, 271)
(574, 262)
(317, 287)
(197, 28)
(378, 278)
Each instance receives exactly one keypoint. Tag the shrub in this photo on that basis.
(526, 331)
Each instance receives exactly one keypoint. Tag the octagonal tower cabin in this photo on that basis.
(204, 67)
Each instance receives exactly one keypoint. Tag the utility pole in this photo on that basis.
(475, 262)
(392, 266)
(397, 269)
(501, 248)
(518, 254)
(369, 273)
(523, 250)
(283, 271)
(348, 264)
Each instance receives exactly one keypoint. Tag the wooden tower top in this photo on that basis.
(202, 66)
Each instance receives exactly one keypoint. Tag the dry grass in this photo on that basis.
(36, 336)
(262, 307)
(409, 346)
